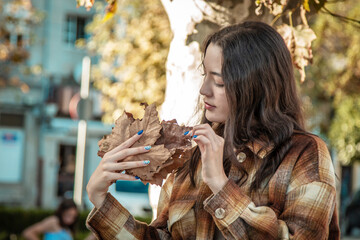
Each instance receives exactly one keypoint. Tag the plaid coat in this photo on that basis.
(297, 203)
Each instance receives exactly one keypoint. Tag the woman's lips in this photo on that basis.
(208, 106)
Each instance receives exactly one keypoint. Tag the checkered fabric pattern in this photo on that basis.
(297, 202)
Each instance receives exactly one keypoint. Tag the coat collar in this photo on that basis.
(183, 197)
(258, 148)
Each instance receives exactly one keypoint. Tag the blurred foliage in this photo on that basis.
(17, 19)
(132, 39)
(333, 81)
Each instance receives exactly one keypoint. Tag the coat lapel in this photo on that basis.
(183, 198)
(205, 225)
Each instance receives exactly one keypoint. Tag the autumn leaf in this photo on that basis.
(120, 133)
(298, 40)
(86, 3)
(173, 138)
(275, 7)
(170, 147)
(150, 124)
(172, 135)
(157, 157)
(176, 161)
(306, 5)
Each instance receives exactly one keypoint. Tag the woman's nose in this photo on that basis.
(205, 88)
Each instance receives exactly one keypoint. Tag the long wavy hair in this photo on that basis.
(261, 91)
(67, 204)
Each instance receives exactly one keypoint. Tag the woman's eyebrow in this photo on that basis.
(212, 72)
(216, 74)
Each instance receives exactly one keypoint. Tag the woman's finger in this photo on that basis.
(205, 126)
(113, 176)
(197, 127)
(128, 143)
(203, 142)
(205, 132)
(112, 167)
(127, 152)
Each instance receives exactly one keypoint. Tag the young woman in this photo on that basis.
(60, 226)
(255, 173)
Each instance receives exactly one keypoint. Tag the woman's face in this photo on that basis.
(69, 216)
(213, 89)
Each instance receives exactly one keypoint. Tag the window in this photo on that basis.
(67, 155)
(75, 28)
(12, 119)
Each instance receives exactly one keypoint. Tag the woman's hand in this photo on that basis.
(211, 147)
(109, 169)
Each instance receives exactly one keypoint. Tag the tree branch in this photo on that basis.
(346, 19)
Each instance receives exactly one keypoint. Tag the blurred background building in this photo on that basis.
(38, 108)
(39, 101)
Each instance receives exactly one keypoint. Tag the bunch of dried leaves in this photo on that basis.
(170, 147)
(298, 40)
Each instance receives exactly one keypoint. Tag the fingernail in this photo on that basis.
(195, 136)
(186, 133)
(146, 162)
(137, 177)
(140, 132)
(147, 147)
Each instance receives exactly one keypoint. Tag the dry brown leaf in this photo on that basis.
(176, 161)
(120, 133)
(172, 135)
(157, 156)
(298, 40)
(170, 147)
(150, 124)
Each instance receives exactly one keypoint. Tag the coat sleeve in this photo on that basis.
(308, 210)
(112, 221)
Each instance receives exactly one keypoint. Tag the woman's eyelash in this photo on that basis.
(216, 84)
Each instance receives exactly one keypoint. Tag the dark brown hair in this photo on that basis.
(261, 91)
(65, 205)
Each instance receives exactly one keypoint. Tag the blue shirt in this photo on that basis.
(60, 235)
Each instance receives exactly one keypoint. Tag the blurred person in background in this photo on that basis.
(61, 225)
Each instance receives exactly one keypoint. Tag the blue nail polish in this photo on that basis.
(140, 132)
(137, 177)
(185, 133)
(146, 162)
(195, 136)
(147, 147)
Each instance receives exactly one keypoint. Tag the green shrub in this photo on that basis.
(15, 220)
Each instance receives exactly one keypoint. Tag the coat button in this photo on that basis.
(241, 157)
(220, 213)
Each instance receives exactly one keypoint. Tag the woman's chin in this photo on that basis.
(214, 118)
